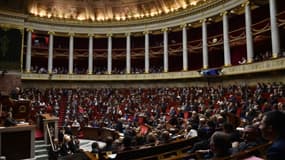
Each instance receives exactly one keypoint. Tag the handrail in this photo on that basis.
(50, 138)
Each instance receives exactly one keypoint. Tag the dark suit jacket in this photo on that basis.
(277, 150)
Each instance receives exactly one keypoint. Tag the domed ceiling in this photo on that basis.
(108, 10)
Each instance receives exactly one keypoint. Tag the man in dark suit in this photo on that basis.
(273, 129)
(9, 120)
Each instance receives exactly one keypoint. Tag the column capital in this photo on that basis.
(51, 32)
(183, 25)
(71, 34)
(245, 3)
(30, 29)
(164, 29)
(146, 32)
(127, 33)
(90, 34)
(203, 20)
(224, 13)
(109, 34)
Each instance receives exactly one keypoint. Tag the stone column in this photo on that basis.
(29, 50)
(227, 52)
(249, 41)
(184, 47)
(109, 60)
(50, 52)
(205, 44)
(128, 56)
(165, 49)
(71, 47)
(90, 54)
(146, 51)
(274, 29)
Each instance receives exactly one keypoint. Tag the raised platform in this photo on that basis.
(17, 142)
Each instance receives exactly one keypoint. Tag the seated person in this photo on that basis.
(250, 138)
(9, 120)
(272, 127)
(220, 145)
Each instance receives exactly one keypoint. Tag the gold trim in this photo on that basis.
(249, 61)
(71, 34)
(146, 32)
(183, 25)
(165, 29)
(163, 17)
(224, 13)
(227, 65)
(109, 34)
(128, 34)
(203, 20)
(274, 55)
(100, 35)
(51, 32)
(205, 66)
(30, 29)
(245, 3)
(8, 26)
(90, 34)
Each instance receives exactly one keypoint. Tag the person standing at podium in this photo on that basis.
(15, 93)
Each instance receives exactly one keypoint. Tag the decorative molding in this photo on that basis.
(203, 20)
(165, 29)
(227, 65)
(245, 3)
(71, 34)
(128, 34)
(109, 34)
(269, 65)
(51, 32)
(205, 67)
(183, 25)
(90, 34)
(80, 27)
(146, 32)
(112, 77)
(224, 13)
(30, 29)
(274, 55)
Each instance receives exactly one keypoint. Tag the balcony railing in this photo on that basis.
(264, 66)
